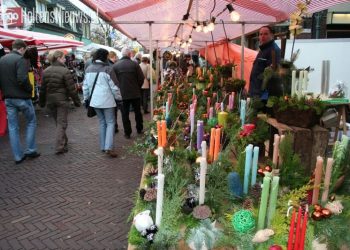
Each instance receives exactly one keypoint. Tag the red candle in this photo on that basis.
(297, 233)
(291, 231)
(303, 232)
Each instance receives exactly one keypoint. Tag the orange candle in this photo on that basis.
(211, 147)
(317, 181)
(159, 132)
(291, 232)
(217, 143)
(164, 140)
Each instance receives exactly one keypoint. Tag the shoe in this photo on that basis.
(21, 160)
(32, 155)
(146, 112)
(127, 136)
(112, 153)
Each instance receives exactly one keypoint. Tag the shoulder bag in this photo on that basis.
(91, 110)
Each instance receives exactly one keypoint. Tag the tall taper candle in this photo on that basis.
(294, 78)
(255, 165)
(327, 180)
(317, 181)
(248, 165)
(291, 232)
(242, 114)
(203, 172)
(166, 109)
(164, 139)
(159, 133)
(303, 231)
(159, 205)
(300, 83)
(273, 199)
(204, 149)
(212, 144)
(217, 143)
(276, 143)
(305, 80)
(211, 112)
(298, 230)
(160, 153)
(263, 202)
(200, 133)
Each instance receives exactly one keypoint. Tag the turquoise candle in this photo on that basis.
(255, 165)
(166, 109)
(248, 164)
(273, 199)
(263, 202)
(242, 114)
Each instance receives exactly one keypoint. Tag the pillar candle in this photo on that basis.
(276, 143)
(279, 156)
(222, 106)
(273, 199)
(248, 164)
(212, 144)
(203, 172)
(192, 120)
(204, 149)
(160, 153)
(303, 231)
(306, 79)
(263, 202)
(317, 181)
(242, 114)
(291, 232)
(164, 139)
(217, 143)
(294, 73)
(297, 230)
(159, 132)
(200, 133)
(327, 179)
(222, 118)
(211, 112)
(159, 205)
(230, 102)
(255, 165)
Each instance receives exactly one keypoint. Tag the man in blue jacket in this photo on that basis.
(269, 55)
(17, 92)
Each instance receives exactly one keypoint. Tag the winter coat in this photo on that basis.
(130, 78)
(58, 86)
(106, 91)
(14, 80)
(146, 73)
(262, 61)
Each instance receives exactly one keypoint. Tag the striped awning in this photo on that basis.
(133, 17)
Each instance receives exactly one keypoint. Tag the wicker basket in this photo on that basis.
(298, 118)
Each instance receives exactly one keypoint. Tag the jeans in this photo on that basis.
(106, 118)
(138, 116)
(144, 99)
(13, 107)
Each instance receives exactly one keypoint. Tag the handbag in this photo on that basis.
(3, 117)
(91, 110)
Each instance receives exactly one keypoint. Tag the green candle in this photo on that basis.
(273, 199)
(263, 202)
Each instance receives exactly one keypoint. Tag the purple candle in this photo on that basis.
(200, 133)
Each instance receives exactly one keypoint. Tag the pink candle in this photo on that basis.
(279, 157)
(211, 112)
(327, 179)
(208, 104)
(291, 232)
(276, 144)
(317, 181)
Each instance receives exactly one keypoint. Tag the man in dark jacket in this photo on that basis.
(17, 91)
(269, 55)
(130, 79)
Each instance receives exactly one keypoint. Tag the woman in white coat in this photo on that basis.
(103, 98)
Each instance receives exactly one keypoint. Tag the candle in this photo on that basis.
(212, 144)
(204, 149)
(317, 181)
(230, 102)
(327, 179)
(276, 144)
(306, 79)
(297, 233)
(203, 172)
(291, 232)
(242, 115)
(255, 165)
(300, 83)
(160, 153)
(282, 137)
(192, 120)
(208, 105)
(248, 164)
(211, 112)
(217, 143)
(294, 73)
(222, 106)
(303, 232)
(159, 205)
(159, 132)
(200, 133)
(263, 202)
(222, 118)
(163, 128)
(273, 199)
(166, 109)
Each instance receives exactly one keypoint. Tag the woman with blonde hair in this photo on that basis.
(57, 89)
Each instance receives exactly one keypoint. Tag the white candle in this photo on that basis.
(222, 107)
(294, 73)
(159, 206)
(306, 79)
(204, 149)
(276, 144)
(160, 153)
(327, 180)
(300, 83)
(203, 172)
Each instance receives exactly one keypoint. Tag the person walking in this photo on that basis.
(57, 89)
(145, 88)
(112, 59)
(103, 99)
(17, 92)
(130, 79)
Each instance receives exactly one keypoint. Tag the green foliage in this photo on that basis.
(135, 238)
(291, 170)
(225, 70)
(205, 232)
(234, 85)
(294, 196)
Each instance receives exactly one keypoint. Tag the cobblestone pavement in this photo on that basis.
(79, 200)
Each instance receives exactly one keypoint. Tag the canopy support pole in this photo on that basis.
(151, 62)
(157, 65)
(242, 51)
(3, 13)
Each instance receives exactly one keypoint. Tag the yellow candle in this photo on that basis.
(212, 142)
(222, 118)
(317, 181)
(159, 132)
(217, 143)
(164, 140)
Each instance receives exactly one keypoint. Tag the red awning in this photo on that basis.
(41, 40)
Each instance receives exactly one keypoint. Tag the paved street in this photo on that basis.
(79, 200)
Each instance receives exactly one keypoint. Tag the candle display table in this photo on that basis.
(308, 143)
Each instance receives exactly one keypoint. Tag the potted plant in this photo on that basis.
(234, 85)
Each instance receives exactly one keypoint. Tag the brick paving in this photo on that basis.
(79, 200)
